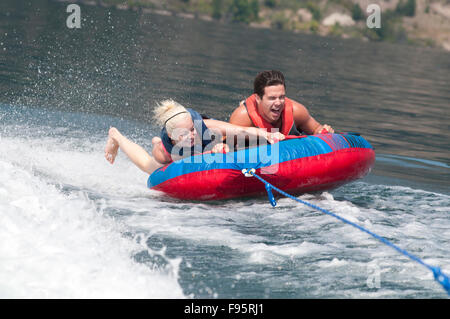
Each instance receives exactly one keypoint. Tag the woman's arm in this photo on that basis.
(159, 152)
(225, 129)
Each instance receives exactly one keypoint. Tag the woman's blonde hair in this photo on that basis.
(166, 113)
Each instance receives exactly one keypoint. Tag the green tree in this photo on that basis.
(217, 9)
(244, 11)
(314, 26)
(279, 21)
(270, 3)
(391, 29)
(254, 8)
(357, 13)
(314, 9)
(407, 8)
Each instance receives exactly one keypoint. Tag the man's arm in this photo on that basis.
(305, 122)
(240, 116)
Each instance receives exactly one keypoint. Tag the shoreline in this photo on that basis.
(418, 30)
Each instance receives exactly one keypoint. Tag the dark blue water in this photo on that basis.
(79, 227)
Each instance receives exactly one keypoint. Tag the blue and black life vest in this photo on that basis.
(201, 129)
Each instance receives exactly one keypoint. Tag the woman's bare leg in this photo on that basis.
(134, 152)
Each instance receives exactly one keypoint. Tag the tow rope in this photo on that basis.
(439, 276)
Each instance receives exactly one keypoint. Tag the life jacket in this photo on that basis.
(202, 131)
(287, 116)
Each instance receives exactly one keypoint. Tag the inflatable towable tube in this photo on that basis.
(297, 165)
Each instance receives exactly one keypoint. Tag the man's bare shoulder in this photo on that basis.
(299, 110)
(297, 105)
(240, 116)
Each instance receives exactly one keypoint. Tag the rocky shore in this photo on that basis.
(416, 22)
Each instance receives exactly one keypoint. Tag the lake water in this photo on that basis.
(73, 226)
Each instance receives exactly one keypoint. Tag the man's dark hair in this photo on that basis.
(267, 78)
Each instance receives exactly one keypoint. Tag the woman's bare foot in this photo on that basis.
(112, 147)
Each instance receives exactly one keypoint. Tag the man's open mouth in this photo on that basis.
(276, 112)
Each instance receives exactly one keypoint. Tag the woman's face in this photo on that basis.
(184, 134)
